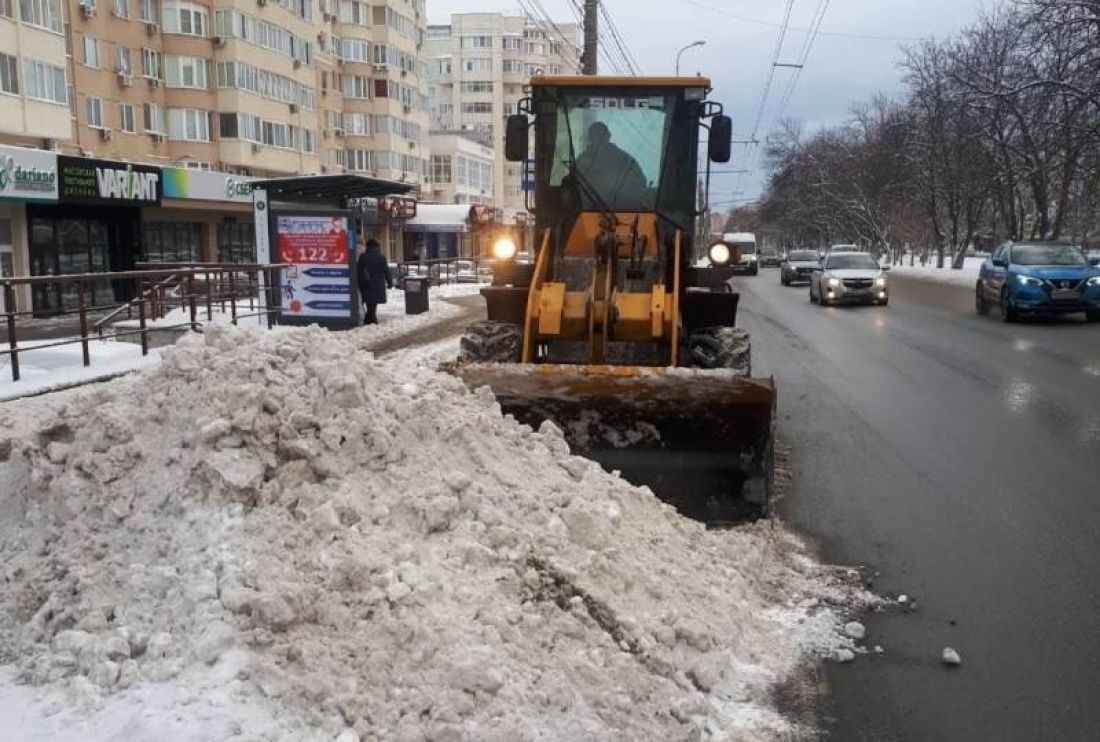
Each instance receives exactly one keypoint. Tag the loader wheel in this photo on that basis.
(491, 341)
(720, 347)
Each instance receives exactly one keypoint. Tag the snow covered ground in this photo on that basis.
(266, 537)
(44, 369)
(965, 276)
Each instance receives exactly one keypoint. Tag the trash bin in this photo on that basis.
(416, 294)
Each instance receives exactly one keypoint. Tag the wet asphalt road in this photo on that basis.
(958, 457)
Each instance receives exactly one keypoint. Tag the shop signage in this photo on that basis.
(105, 182)
(28, 174)
(319, 284)
(397, 207)
(203, 185)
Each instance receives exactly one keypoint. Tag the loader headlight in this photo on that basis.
(504, 249)
(834, 282)
(719, 253)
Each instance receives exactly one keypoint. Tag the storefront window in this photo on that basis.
(172, 242)
(68, 247)
(236, 242)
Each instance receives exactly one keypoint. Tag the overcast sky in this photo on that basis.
(841, 69)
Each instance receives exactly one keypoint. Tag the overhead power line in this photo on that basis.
(624, 50)
(771, 24)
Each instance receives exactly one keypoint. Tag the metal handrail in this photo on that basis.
(151, 296)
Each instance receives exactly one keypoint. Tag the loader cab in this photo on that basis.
(617, 145)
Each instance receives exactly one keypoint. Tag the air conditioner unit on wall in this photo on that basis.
(255, 147)
(86, 10)
(338, 132)
(294, 108)
(125, 80)
(218, 40)
(151, 27)
(105, 134)
(157, 137)
(154, 82)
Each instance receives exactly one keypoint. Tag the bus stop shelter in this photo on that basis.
(308, 223)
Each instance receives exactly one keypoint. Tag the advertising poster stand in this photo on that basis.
(307, 226)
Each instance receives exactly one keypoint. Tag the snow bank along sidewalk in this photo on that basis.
(266, 537)
(965, 276)
(60, 367)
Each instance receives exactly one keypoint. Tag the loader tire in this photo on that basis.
(720, 347)
(491, 341)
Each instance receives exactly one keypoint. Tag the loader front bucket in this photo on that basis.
(701, 440)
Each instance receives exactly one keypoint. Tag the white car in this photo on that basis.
(849, 278)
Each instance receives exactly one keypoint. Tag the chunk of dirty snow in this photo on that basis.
(845, 655)
(855, 630)
(951, 657)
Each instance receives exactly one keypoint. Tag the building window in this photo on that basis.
(126, 118)
(353, 11)
(152, 64)
(354, 86)
(122, 58)
(148, 11)
(236, 242)
(513, 65)
(355, 124)
(477, 42)
(122, 8)
(171, 242)
(512, 43)
(478, 64)
(188, 125)
(355, 50)
(43, 13)
(441, 168)
(186, 72)
(154, 118)
(480, 107)
(93, 111)
(9, 74)
(45, 82)
(185, 18)
(91, 51)
(5, 8)
(477, 87)
(309, 141)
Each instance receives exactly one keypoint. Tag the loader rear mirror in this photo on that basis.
(515, 138)
(720, 139)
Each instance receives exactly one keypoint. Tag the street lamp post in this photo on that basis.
(689, 46)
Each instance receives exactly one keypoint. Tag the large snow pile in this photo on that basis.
(273, 535)
(965, 276)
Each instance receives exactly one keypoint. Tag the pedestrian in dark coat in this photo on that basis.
(373, 274)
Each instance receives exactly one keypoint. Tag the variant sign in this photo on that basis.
(105, 182)
(319, 248)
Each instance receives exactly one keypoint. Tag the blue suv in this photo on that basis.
(1039, 277)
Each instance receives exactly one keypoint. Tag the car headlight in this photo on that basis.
(1028, 281)
(834, 282)
(881, 282)
(1094, 281)
(719, 253)
(504, 249)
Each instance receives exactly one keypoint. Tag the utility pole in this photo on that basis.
(591, 37)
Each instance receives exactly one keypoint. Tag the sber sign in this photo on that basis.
(105, 182)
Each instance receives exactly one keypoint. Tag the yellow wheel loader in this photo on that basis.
(612, 332)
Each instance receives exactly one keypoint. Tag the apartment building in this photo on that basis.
(156, 88)
(461, 170)
(478, 67)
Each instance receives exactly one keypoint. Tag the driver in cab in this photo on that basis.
(608, 170)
